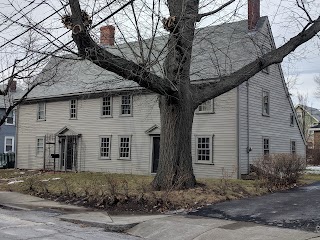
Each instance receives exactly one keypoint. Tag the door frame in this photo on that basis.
(63, 157)
(151, 151)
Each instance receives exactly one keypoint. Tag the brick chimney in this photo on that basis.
(253, 14)
(107, 35)
(12, 85)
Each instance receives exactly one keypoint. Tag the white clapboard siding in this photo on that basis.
(276, 126)
(145, 115)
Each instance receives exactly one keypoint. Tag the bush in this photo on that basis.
(279, 170)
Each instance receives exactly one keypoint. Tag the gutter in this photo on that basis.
(16, 137)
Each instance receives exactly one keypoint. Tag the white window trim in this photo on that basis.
(211, 140)
(5, 144)
(100, 138)
(263, 113)
(209, 111)
(130, 143)
(76, 107)
(131, 106)
(263, 149)
(111, 107)
(40, 154)
(38, 111)
(13, 119)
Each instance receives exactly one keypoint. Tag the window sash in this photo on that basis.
(266, 103)
(105, 144)
(266, 146)
(106, 106)
(293, 147)
(8, 144)
(41, 114)
(125, 147)
(10, 120)
(73, 109)
(126, 105)
(204, 149)
(40, 146)
(206, 107)
(291, 120)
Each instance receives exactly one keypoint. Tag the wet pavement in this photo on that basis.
(297, 208)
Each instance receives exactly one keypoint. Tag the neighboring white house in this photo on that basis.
(98, 122)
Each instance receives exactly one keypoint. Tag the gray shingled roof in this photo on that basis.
(217, 50)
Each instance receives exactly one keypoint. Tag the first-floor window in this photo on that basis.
(40, 146)
(293, 147)
(204, 149)
(124, 147)
(8, 144)
(266, 146)
(105, 143)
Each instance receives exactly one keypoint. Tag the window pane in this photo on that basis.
(203, 149)
(126, 105)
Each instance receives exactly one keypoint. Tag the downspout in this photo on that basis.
(238, 133)
(16, 137)
(248, 128)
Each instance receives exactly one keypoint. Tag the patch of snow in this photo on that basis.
(56, 178)
(45, 180)
(313, 169)
(14, 182)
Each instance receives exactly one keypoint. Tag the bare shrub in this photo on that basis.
(314, 157)
(279, 170)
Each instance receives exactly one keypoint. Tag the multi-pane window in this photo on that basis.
(8, 144)
(105, 143)
(40, 146)
(265, 103)
(293, 147)
(204, 149)
(10, 120)
(206, 107)
(266, 146)
(106, 107)
(73, 109)
(291, 120)
(124, 147)
(41, 113)
(126, 105)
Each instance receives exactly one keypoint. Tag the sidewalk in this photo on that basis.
(173, 227)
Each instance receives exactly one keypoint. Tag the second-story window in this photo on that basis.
(265, 103)
(126, 105)
(10, 120)
(73, 109)
(106, 107)
(291, 120)
(41, 113)
(206, 107)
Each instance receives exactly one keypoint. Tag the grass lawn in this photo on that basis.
(120, 192)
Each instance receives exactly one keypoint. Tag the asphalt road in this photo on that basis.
(25, 225)
(296, 208)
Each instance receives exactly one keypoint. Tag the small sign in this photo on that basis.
(55, 155)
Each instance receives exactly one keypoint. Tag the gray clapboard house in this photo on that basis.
(96, 121)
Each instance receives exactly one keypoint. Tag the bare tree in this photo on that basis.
(178, 97)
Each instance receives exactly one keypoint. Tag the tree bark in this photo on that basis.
(175, 166)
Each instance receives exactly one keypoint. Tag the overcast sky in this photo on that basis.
(285, 18)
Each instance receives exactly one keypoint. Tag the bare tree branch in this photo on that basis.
(227, 83)
(200, 16)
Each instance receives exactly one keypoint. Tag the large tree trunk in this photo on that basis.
(175, 166)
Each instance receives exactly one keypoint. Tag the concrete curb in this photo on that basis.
(110, 227)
